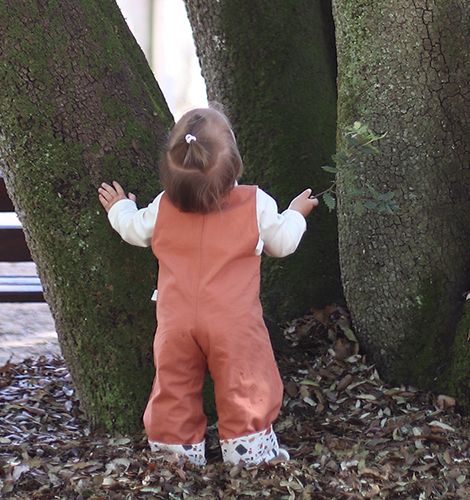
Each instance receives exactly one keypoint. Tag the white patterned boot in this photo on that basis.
(254, 449)
(195, 453)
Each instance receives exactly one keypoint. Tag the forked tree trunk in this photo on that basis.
(79, 105)
(404, 70)
(272, 65)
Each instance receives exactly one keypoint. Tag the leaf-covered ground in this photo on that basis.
(349, 435)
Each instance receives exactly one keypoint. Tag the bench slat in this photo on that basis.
(20, 289)
(13, 246)
(6, 204)
(21, 296)
(19, 280)
(12, 288)
(9, 220)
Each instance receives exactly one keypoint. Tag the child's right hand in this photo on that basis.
(303, 204)
(109, 195)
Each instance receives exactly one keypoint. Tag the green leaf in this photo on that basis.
(388, 196)
(370, 149)
(388, 207)
(308, 381)
(357, 191)
(394, 206)
(340, 157)
(331, 170)
(329, 200)
(353, 140)
(370, 205)
(359, 208)
(373, 192)
(350, 335)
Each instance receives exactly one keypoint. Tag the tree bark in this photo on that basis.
(272, 66)
(78, 106)
(458, 379)
(403, 70)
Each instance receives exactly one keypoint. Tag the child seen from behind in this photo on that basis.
(208, 234)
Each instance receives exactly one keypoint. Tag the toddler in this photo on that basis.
(208, 234)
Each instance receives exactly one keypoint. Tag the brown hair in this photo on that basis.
(201, 162)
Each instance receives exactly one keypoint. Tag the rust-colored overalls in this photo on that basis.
(209, 316)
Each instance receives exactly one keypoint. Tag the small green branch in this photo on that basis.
(330, 189)
(359, 141)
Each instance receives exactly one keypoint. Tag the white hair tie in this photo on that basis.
(189, 138)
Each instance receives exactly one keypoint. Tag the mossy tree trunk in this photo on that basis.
(403, 69)
(458, 378)
(79, 105)
(272, 65)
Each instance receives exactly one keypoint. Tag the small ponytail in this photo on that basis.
(202, 161)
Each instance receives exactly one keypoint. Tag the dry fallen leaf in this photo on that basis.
(343, 348)
(349, 436)
(291, 388)
(445, 402)
(323, 315)
(344, 382)
(437, 426)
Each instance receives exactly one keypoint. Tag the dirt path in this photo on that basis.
(26, 329)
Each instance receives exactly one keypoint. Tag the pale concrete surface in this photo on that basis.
(26, 329)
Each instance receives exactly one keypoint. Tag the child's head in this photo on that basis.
(201, 162)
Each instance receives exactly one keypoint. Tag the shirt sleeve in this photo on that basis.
(280, 233)
(133, 225)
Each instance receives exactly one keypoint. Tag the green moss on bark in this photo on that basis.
(422, 357)
(278, 87)
(78, 105)
(285, 123)
(458, 381)
(404, 274)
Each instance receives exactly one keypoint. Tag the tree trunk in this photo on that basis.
(272, 65)
(403, 70)
(78, 106)
(458, 379)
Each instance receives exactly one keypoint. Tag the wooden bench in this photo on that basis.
(6, 204)
(13, 248)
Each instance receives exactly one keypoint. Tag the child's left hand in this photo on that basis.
(109, 195)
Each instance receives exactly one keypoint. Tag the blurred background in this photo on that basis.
(162, 29)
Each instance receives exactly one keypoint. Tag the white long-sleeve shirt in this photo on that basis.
(279, 234)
